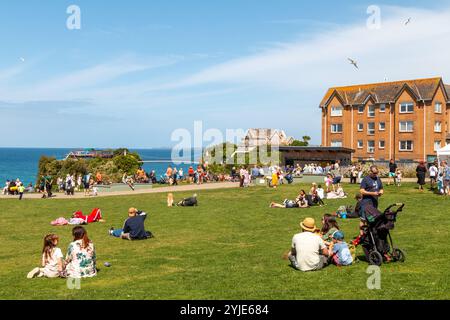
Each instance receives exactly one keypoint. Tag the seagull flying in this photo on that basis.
(353, 62)
(408, 21)
(22, 59)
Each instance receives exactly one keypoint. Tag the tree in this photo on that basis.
(304, 143)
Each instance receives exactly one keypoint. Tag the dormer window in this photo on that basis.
(336, 111)
(407, 107)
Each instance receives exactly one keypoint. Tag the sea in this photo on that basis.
(23, 163)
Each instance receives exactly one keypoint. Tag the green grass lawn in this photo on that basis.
(230, 247)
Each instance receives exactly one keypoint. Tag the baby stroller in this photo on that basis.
(377, 241)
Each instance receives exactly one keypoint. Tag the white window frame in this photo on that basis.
(435, 145)
(361, 111)
(400, 145)
(405, 131)
(379, 144)
(360, 144)
(336, 143)
(334, 127)
(369, 148)
(369, 131)
(440, 107)
(379, 126)
(383, 108)
(440, 126)
(406, 104)
(371, 114)
(335, 109)
(360, 128)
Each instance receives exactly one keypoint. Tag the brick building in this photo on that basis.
(405, 120)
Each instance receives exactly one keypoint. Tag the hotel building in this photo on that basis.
(402, 120)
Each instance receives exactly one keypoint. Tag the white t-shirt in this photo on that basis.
(321, 193)
(433, 171)
(308, 247)
(52, 262)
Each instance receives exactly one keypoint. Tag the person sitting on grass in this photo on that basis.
(338, 194)
(81, 258)
(300, 202)
(308, 252)
(329, 227)
(315, 198)
(52, 260)
(340, 253)
(133, 228)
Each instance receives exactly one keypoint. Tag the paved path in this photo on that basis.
(189, 187)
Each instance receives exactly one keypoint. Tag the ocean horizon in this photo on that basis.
(22, 163)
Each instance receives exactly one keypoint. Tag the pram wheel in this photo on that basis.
(398, 255)
(375, 258)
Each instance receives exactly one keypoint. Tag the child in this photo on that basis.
(52, 260)
(320, 192)
(21, 190)
(170, 200)
(340, 252)
(398, 177)
(274, 179)
(329, 227)
(440, 184)
(328, 182)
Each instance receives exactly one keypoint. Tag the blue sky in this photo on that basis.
(138, 70)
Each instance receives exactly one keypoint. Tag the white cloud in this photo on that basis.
(396, 51)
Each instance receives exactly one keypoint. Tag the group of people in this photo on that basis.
(438, 173)
(439, 177)
(81, 260)
(71, 183)
(314, 248)
(315, 197)
(16, 187)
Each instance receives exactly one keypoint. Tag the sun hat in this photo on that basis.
(309, 224)
(338, 235)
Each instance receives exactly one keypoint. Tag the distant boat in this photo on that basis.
(90, 154)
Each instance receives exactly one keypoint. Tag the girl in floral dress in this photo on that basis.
(81, 258)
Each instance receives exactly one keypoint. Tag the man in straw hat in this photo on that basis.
(309, 252)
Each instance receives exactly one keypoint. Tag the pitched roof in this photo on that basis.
(385, 92)
(447, 89)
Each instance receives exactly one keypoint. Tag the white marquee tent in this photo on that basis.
(444, 153)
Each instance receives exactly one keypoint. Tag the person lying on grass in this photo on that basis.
(52, 260)
(133, 228)
(308, 252)
(300, 202)
(95, 216)
(188, 202)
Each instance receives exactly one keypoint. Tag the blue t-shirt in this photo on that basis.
(371, 185)
(343, 253)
